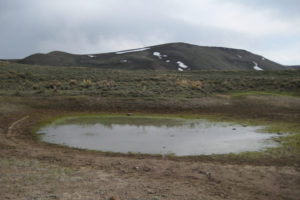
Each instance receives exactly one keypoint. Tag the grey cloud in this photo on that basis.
(285, 7)
(95, 26)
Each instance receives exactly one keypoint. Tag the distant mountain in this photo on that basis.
(297, 67)
(173, 56)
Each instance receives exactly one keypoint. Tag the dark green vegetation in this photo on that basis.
(297, 67)
(28, 80)
(195, 57)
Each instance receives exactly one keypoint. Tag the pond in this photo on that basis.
(156, 135)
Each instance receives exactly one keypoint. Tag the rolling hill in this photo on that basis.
(297, 67)
(172, 56)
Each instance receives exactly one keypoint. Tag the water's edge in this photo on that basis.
(165, 123)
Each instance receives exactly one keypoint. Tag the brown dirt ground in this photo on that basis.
(30, 169)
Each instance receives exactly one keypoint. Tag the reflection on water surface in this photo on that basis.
(153, 135)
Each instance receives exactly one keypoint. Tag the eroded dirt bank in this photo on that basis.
(33, 170)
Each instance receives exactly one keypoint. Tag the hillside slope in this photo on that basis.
(173, 56)
(297, 67)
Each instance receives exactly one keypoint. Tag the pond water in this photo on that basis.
(155, 135)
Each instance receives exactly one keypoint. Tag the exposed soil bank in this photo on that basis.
(33, 170)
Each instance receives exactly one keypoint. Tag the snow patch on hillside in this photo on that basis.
(180, 69)
(157, 54)
(167, 61)
(91, 56)
(256, 67)
(133, 50)
(182, 65)
(240, 56)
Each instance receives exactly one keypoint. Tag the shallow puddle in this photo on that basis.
(154, 135)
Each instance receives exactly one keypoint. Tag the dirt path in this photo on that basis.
(34, 170)
(13, 125)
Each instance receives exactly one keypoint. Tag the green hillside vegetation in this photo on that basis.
(297, 67)
(27, 80)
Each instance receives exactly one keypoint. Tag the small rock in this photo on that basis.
(234, 129)
(149, 191)
(208, 174)
(62, 179)
(147, 169)
(77, 179)
(129, 114)
(53, 197)
(115, 197)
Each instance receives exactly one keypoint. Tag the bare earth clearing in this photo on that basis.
(34, 170)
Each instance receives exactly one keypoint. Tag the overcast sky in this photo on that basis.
(267, 27)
